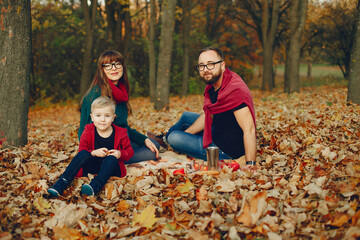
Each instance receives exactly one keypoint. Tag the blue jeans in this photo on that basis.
(142, 153)
(190, 144)
(105, 168)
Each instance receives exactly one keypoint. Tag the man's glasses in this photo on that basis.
(210, 66)
(109, 66)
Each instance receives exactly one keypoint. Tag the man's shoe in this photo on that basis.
(58, 188)
(86, 189)
(158, 138)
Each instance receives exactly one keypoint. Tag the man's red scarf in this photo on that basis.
(232, 93)
(119, 92)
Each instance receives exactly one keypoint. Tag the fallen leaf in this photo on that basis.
(184, 188)
(146, 218)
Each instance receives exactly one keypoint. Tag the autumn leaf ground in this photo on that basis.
(307, 186)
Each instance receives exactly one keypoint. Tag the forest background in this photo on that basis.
(63, 63)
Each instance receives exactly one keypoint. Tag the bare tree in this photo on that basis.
(298, 11)
(164, 64)
(354, 76)
(90, 21)
(15, 65)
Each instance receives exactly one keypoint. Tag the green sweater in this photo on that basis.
(120, 120)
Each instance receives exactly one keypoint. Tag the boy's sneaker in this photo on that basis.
(58, 188)
(87, 190)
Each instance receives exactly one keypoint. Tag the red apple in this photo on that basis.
(205, 168)
(180, 171)
(234, 165)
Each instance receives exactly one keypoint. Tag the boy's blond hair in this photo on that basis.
(102, 102)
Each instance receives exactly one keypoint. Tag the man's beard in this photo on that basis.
(213, 79)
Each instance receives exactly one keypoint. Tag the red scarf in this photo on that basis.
(119, 92)
(233, 92)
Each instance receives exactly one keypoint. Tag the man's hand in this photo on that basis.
(250, 168)
(100, 152)
(115, 153)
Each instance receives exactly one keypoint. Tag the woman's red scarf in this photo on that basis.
(119, 92)
(232, 93)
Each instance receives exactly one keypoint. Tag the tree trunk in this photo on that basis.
(309, 65)
(90, 19)
(308, 75)
(152, 57)
(15, 69)
(127, 23)
(297, 24)
(268, 30)
(186, 44)
(118, 14)
(354, 76)
(164, 65)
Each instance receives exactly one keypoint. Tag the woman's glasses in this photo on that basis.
(109, 66)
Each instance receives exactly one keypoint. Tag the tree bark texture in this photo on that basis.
(152, 56)
(354, 76)
(90, 20)
(118, 13)
(164, 63)
(298, 11)
(186, 43)
(269, 25)
(15, 68)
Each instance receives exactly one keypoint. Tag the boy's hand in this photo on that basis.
(100, 152)
(115, 153)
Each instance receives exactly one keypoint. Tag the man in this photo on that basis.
(228, 121)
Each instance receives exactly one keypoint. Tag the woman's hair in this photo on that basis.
(103, 102)
(100, 78)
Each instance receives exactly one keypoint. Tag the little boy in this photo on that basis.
(103, 149)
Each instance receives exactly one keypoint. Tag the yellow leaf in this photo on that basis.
(41, 204)
(185, 187)
(146, 218)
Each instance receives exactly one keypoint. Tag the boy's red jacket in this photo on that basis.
(121, 143)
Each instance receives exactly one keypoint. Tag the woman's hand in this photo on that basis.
(100, 152)
(115, 153)
(152, 147)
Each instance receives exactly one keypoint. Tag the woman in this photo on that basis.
(111, 80)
